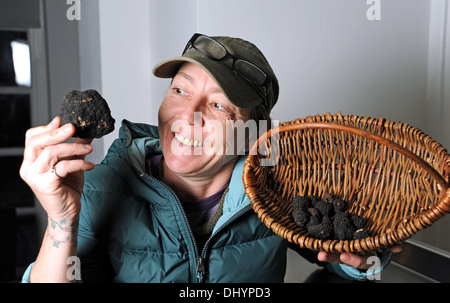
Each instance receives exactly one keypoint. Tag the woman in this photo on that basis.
(167, 204)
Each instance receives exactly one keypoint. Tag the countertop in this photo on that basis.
(417, 263)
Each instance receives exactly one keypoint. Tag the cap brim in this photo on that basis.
(236, 89)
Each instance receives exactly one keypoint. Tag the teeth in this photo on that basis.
(187, 141)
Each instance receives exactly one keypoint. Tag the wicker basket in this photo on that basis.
(391, 173)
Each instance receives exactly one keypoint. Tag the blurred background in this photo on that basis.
(371, 58)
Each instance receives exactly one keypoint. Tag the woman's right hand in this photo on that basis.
(59, 191)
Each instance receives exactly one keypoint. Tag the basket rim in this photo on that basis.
(357, 131)
(385, 239)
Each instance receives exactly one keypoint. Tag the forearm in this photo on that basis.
(58, 245)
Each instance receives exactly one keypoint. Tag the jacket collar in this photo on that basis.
(140, 140)
(236, 199)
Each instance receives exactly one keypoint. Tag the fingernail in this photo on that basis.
(67, 128)
(321, 256)
(53, 122)
(345, 258)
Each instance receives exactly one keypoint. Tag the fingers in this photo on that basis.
(328, 257)
(357, 261)
(53, 168)
(45, 147)
(53, 154)
(66, 167)
(84, 140)
(40, 137)
(396, 248)
(40, 129)
(353, 260)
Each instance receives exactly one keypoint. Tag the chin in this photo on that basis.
(183, 164)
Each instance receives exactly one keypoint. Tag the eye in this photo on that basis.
(218, 106)
(179, 91)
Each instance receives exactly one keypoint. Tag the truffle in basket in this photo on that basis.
(328, 218)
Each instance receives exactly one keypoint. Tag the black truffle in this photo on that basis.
(300, 202)
(314, 212)
(301, 217)
(343, 229)
(328, 218)
(339, 205)
(321, 231)
(312, 200)
(313, 220)
(341, 218)
(88, 112)
(361, 234)
(323, 207)
(359, 221)
(327, 197)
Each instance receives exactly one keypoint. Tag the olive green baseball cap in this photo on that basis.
(238, 90)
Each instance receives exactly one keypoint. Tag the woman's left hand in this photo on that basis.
(350, 259)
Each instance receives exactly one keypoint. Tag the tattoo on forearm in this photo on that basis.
(70, 232)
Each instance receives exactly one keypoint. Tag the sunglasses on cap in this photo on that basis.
(214, 50)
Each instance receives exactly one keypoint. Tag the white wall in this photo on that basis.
(438, 93)
(328, 57)
(125, 65)
(437, 101)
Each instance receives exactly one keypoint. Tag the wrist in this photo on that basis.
(68, 216)
(62, 231)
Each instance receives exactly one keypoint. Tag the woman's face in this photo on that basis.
(198, 136)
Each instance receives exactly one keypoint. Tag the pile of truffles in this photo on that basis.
(328, 218)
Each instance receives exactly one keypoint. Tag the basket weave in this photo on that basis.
(391, 173)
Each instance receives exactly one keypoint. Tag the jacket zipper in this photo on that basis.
(200, 258)
(191, 233)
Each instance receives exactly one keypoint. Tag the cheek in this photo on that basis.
(166, 113)
(163, 118)
(162, 112)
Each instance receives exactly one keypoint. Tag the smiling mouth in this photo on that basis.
(187, 141)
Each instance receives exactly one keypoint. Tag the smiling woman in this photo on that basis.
(175, 190)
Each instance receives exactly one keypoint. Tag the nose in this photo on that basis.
(192, 112)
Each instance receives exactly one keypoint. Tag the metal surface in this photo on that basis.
(417, 263)
(424, 259)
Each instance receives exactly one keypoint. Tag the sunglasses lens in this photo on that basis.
(250, 72)
(210, 48)
(216, 51)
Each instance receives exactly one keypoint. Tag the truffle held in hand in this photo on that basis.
(88, 112)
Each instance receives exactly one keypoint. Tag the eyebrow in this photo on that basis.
(216, 90)
(186, 76)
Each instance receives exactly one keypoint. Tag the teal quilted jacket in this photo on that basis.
(133, 229)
